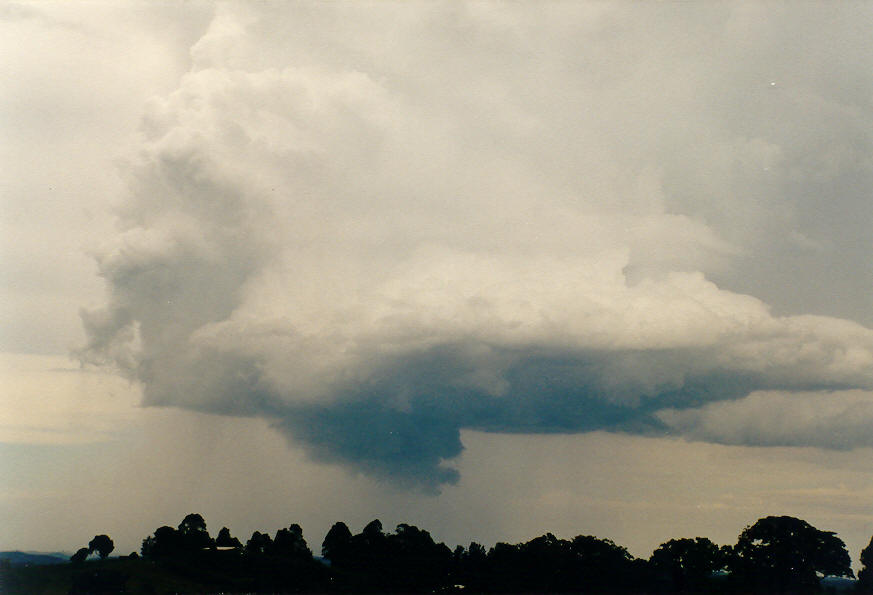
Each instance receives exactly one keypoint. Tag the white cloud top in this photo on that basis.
(487, 216)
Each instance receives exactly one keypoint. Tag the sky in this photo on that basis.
(493, 269)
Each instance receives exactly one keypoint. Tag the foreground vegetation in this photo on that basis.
(774, 555)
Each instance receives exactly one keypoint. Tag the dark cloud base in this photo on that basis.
(405, 427)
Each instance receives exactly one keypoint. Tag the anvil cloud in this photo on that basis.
(495, 217)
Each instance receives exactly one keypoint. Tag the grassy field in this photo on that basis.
(99, 576)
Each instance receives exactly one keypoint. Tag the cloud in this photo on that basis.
(837, 420)
(81, 77)
(376, 240)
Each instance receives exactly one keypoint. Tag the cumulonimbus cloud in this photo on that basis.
(350, 252)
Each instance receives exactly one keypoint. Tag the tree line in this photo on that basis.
(776, 554)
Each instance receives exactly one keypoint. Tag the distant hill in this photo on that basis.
(35, 558)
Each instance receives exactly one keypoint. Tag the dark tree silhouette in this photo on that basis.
(166, 542)
(102, 545)
(476, 552)
(865, 575)
(471, 566)
(775, 555)
(290, 542)
(373, 531)
(335, 546)
(193, 534)
(80, 555)
(546, 564)
(192, 523)
(785, 554)
(407, 560)
(369, 546)
(416, 562)
(367, 565)
(503, 565)
(686, 563)
(604, 566)
(225, 539)
(259, 544)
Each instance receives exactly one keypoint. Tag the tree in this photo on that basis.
(373, 531)
(865, 575)
(601, 565)
(687, 563)
(194, 536)
(102, 545)
(546, 564)
(80, 555)
(416, 561)
(192, 523)
(335, 546)
(503, 567)
(368, 548)
(781, 554)
(471, 566)
(290, 542)
(366, 559)
(225, 539)
(259, 544)
(165, 543)
(476, 552)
